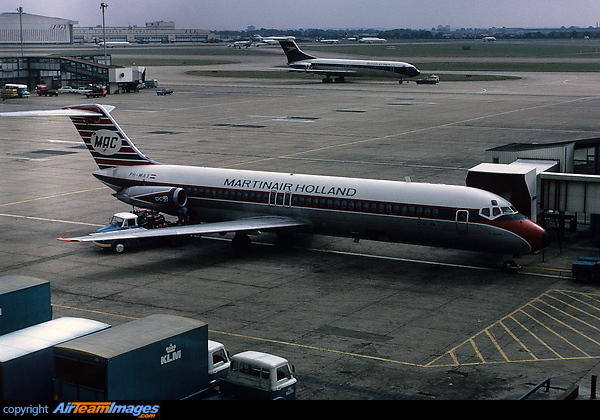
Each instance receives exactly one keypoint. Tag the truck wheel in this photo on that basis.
(119, 247)
(582, 275)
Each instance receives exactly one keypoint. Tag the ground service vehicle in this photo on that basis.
(218, 361)
(255, 375)
(164, 92)
(140, 218)
(66, 89)
(98, 92)
(431, 80)
(14, 90)
(42, 90)
(586, 269)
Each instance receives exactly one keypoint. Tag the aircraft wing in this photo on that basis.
(240, 225)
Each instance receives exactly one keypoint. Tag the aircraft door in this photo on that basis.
(462, 221)
(280, 198)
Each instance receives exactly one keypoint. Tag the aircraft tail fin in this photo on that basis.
(293, 52)
(105, 140)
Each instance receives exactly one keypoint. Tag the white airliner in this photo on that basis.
(111, 44)
(220, 200)
(270, 40)
(258, 40)
(372, 40)
(339, 68)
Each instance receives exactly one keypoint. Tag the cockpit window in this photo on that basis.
(495, 211)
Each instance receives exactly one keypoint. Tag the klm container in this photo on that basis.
(24, 301)
(26, 357)
(160, 357)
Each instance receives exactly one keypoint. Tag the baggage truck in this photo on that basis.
(26, 356)
(159, 357)
(586, 269)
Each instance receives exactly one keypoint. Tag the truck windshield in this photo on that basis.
(117, 221)
(283, 373)
(219, 358)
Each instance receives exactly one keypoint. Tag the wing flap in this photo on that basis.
(240, 225)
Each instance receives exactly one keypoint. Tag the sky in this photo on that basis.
(326, 14)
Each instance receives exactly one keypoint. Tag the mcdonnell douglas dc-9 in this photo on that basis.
(340, 68)
(244, 202)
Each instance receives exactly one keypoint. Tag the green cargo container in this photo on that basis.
(160, 357)
(24, 301)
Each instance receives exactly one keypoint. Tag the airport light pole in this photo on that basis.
(104, 6)
(20, 10)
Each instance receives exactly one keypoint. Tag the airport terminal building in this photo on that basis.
(37, 29)
(160, 31)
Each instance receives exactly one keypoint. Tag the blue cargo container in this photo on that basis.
(160, 357)
(26, 357)
(24, 301)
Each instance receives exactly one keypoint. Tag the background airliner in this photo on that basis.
(340, 68)
(218, 200)
(111, 44)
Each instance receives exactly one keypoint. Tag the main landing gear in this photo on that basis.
(339, 79)
(241, 243)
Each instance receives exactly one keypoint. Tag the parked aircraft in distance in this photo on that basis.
(372, 40)
(342, 68)
(257, 40)
(217, 200)
(111, 44)
(270, 40)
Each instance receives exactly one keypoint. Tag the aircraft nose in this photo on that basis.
(546, 239)
(541, 240)
(414, 72)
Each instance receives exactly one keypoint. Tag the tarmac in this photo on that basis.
(359, 321)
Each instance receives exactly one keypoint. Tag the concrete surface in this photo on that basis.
(358, 321)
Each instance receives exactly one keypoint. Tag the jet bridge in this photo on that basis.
(517, 182)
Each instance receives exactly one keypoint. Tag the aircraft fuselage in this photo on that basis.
(416, 213)
(361, 68)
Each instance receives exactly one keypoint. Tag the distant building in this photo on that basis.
(159, 31)
(52, 30)
(36, 29)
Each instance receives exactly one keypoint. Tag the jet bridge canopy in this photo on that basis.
(517, 182)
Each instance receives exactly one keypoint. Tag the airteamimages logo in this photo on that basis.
(140, 411)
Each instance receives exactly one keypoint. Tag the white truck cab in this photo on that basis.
(218, 361)
(124, 220)
(256, 375)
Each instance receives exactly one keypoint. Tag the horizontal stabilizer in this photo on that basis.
(63, 112)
